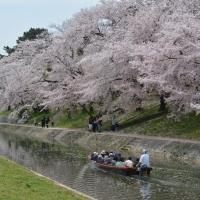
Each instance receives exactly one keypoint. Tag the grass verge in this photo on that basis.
(4, 113)
(78, 120)
(16, 183)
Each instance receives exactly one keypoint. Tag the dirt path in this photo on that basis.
(116, 134)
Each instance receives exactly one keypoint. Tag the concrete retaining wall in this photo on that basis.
(159, 148)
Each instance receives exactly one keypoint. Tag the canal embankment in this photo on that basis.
(161, 149)
(17, 182)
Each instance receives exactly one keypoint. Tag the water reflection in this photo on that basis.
(145, 190)
(62, 165)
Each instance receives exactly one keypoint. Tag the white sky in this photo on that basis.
(17, 16)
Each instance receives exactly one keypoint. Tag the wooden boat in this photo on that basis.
(123, 170)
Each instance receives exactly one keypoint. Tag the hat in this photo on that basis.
(103, 152)
(144, 151)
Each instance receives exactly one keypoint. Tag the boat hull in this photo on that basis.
(123, 170)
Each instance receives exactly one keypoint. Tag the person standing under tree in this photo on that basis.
(43, 122)
(47, 121)
(99, 123)
(90, 122)
(162, 103)
(113, 123)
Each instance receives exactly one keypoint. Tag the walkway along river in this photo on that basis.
(170, 180)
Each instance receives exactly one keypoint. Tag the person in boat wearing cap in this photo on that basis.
(144, 162)
(103, 153)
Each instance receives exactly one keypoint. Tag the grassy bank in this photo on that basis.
(154, 123)
(4, 113)
(78, 120)
(16, 183)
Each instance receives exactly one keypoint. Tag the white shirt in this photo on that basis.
(144, 159)
(129, 163)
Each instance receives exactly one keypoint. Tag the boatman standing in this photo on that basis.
(144, 162)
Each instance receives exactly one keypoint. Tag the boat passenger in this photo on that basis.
(111, 155)
(116, 156)
(144, 161)
(120, 163)
(100, 159)
(119, 156)
(94, 156)
(107, 160)
(113, 162)
(103, 153)
(107, 153)
(129, 163)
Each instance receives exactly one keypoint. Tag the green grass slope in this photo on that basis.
(16, 183)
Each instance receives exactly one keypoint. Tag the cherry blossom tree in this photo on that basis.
(118, 54)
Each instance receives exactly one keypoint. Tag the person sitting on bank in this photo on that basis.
(129, 163)
(144, 162)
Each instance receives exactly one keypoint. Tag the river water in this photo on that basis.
(168, 181)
